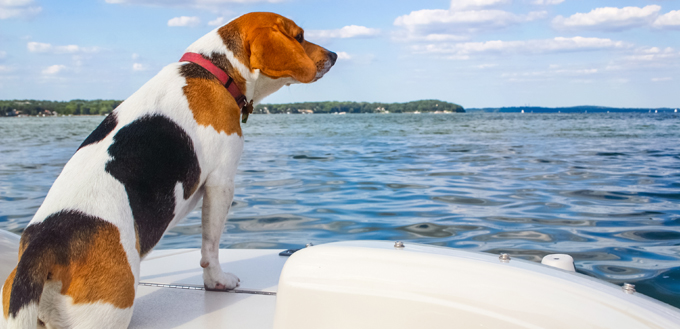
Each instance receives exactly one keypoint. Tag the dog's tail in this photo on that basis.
(27, 288)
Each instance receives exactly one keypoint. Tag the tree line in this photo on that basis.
(73, 107)
(101, 107)
(429, 105)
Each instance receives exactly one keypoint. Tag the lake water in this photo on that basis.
(604, 188)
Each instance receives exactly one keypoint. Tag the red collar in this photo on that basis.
(224, 78)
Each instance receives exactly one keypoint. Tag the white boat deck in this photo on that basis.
(377, 284)
(168, 276)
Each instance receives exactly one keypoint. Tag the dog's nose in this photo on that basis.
(333, 56)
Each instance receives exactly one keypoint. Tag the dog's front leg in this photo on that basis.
(216, 204)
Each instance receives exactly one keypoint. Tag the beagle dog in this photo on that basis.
(175, 141)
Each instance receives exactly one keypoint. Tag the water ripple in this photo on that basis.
(602, 187)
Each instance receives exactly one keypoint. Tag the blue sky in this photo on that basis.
(477, 53)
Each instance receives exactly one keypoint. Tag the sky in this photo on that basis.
(476, 53)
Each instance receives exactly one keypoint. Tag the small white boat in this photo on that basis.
(378, 284)
(522, 111)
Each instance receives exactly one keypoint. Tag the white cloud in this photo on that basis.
(350, 31)
(54, 69)
(138, 67)
(442, 24)
(217, 21)
(39, 47)
(190, 21)
(551, 73)
(540, 46)
(460, 21)
(609, 18)
(189, 3)
(4, 68)
(470, 4)
(668, 20)
(18, 8)
(3, 54)
(15, 3)
(486, 66)
(547, 2)
(654, 54)
(344, 56)
(662, 79)
(444, 37)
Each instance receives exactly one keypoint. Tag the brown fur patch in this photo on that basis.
(137, 245)
(6, 292)
(102, 274)
(82, 252)
(231, 36)
(270, 43)
(212, 105)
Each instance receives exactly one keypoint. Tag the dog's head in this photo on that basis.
(276, 46)
(262, 52)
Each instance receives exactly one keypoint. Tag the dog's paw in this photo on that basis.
(220, 281)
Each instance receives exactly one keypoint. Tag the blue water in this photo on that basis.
(604, 188)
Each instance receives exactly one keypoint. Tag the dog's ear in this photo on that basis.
(278, 55)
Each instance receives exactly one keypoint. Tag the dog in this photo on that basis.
(175, 141)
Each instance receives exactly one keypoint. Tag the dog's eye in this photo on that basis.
(300, 37)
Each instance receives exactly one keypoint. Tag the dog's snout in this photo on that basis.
(333, 57)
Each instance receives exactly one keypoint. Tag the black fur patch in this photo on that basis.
(193, 70)
(58, 240)
(103, 130)
(150, 156)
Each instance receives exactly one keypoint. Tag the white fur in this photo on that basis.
(84, 185)
(26, 317)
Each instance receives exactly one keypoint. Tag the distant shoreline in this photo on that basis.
(572, 109)
(101, 107)
(78, 107)
(471, 111)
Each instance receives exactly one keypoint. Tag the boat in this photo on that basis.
(379, 284)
